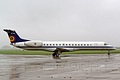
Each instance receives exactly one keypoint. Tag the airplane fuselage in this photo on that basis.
(63, 46)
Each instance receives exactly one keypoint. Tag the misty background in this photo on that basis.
(61, 20)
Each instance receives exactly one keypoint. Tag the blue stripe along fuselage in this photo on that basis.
(79, 47)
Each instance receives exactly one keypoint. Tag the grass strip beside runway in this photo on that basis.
(24, 52)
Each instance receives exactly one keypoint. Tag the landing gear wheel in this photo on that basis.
(108, 54)
(56, 54)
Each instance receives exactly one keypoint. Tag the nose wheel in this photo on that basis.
(108, 54)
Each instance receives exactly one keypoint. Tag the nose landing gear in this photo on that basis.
(108, 54)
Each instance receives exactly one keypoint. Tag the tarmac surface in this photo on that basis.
(69, 67)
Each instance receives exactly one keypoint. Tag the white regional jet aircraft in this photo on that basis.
(55, 46)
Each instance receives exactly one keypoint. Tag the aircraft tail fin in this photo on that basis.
(13, 36)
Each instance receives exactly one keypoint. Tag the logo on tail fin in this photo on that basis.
(12, 39)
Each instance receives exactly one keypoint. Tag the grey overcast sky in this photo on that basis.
(64, 20)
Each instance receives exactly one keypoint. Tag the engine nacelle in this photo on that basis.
(33, 43)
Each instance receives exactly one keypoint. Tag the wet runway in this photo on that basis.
(70, 67)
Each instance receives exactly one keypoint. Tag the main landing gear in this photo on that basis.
(56, 54)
